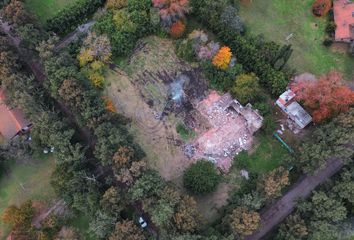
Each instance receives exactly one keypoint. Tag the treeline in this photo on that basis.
(266, 59)
(75, 14)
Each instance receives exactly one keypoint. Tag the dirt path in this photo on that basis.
(73, 36)
(278, 211)
(56, 208)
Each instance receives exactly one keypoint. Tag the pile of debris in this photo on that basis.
(232, 127)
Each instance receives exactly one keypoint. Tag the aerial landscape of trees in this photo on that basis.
(100, 170)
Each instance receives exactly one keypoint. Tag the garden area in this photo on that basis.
(278, 19)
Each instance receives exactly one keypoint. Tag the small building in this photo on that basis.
(12, 120)
(293, 109)
(343, 11)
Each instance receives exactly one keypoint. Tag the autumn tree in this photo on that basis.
(126, 230)
(95, 52)
(177, 29)
(186, 217)
(244, 222)
(321, 7)
(223, 58)
(294, 228)
(171, 10)
(116, 4)
(274, 181)
(246, 88)
(326, 97)
(15, 13)
(18, 215)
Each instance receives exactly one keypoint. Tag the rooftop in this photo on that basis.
(299, 114)
(344, 19)
(12, 120)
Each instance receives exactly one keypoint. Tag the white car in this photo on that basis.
(142, 222)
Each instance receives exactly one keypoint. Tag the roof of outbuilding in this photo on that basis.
(11, 120)
(344, 19)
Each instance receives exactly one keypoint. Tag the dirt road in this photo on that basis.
(278, 211)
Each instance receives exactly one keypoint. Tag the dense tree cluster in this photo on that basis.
(72, 16)
(124, 26)
(333, 140)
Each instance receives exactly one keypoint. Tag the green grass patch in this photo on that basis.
(268, 155)
(25, 181)
(45, 9)
(81, 223)
(277, 19)
(185, 133)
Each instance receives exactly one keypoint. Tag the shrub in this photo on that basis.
(223, 58)
(184, 50)
(263, 108)
(246, 88)
(177, 29)
(116, 4)
(321, 7)
(221, 79)
(327, 42)
(139, 5)
(331, 27)
(201, 177)
(72, 16)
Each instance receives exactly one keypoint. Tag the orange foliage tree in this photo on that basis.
(109, 105)
(321, 7)
(222, 59)
(326, 97)
(177, 29)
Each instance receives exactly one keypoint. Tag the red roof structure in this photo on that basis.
(12, 121)
(344, 18)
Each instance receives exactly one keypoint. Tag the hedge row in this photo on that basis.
(70, 17)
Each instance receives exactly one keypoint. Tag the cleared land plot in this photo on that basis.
(45, 9)
(25, 181)
(139, 90)
(277, 19)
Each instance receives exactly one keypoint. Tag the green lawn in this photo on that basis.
(276, 19)
(44, 9)
(268, 154)
(25, 181)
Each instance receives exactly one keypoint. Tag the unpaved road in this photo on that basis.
(278, 211)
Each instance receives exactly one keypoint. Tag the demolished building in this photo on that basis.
(231, 131)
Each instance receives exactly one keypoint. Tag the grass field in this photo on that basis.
(25, 181)
(268, 154)
(276, 19)
(44, 9)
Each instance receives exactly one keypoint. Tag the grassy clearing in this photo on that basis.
(81, 223)
(185, 133)
(45, 9)
(277, 19)
(25, 181)
(268, 154)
